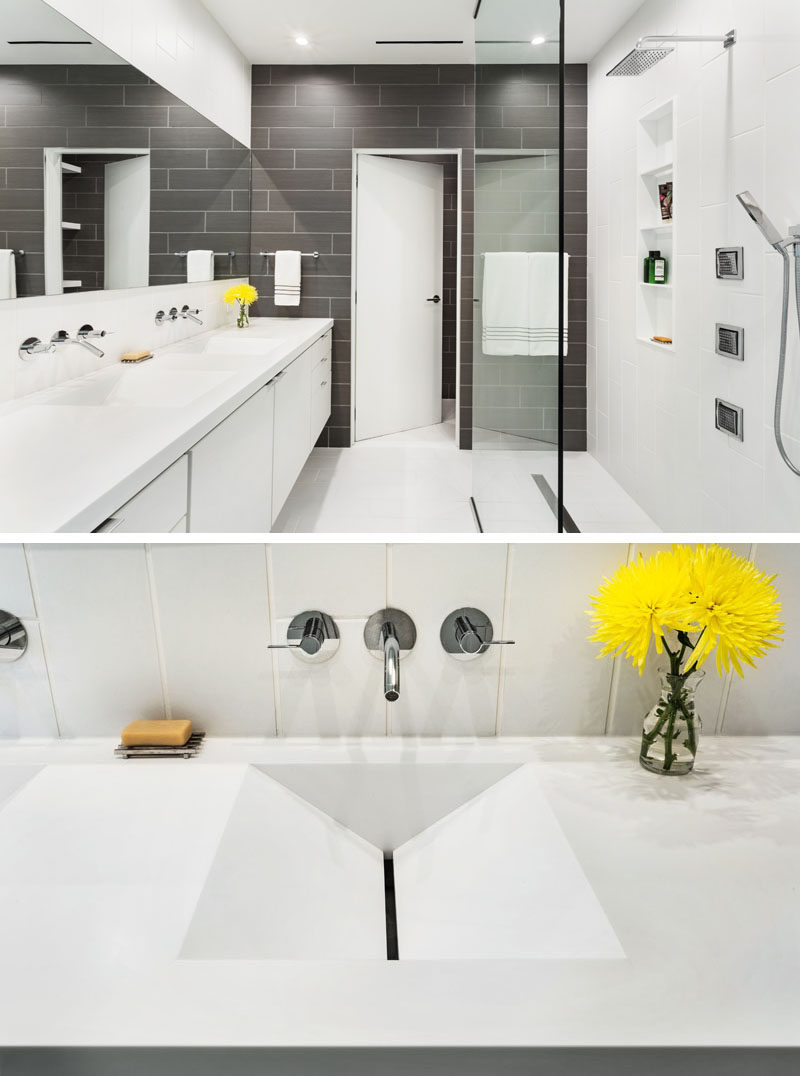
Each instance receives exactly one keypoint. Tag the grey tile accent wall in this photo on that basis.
(306, 123)
(200, 176)
(517, 209)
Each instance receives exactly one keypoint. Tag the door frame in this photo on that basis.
(401, 152)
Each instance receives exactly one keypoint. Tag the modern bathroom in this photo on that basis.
(399, 556)
(490, 192)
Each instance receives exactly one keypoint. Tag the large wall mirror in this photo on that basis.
(106, 179)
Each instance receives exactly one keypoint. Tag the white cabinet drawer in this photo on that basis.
(292, 425)
(231, 472)
(320, 400)
(322, 351)
(158, 509)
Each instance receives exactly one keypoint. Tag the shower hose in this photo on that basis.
(787, 284)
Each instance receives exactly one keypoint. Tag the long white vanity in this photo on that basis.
(210, 436)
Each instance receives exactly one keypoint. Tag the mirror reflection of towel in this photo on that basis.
(8, 275)
(199, 266)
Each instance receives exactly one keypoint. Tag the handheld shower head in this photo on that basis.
(761, 220)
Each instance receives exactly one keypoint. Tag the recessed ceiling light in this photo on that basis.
(301, 39)
(538, 40)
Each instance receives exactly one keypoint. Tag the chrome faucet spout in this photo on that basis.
(391, 663)
(388, 634)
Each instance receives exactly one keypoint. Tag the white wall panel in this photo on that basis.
(212, 614)
(99, 636)
(180, 45)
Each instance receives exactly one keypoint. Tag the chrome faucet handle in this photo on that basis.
(187, 312)
(60, 337)
(313, 636)
(388, 634)
(88, 331)
(32, 346)
(13, 637)
(468, 633)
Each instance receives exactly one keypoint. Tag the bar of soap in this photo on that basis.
(156, 733)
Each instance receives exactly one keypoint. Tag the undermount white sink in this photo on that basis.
(145, 386)
(286, 862)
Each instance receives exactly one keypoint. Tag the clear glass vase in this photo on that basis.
(243, 321)
(671, 729)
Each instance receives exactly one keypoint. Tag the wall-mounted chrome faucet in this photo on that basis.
(162, 318)
(388, 634)
(84, 338)
(468, 633)
(313, 637)
(13, 637)
(187, 312)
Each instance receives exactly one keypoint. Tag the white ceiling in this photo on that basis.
(345, 31)
(32, 20)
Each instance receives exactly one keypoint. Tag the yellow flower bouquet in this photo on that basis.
(690, 603)
(244, 295)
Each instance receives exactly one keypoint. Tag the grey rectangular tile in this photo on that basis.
(292, 116)
(441, 95)
(366, 116)
(397, 73)
(310, 137)
(275, 95)
(320, 94)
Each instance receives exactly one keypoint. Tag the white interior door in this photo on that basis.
(127, 223)
(398, 331)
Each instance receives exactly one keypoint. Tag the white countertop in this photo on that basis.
(697, 877)
(69, 466)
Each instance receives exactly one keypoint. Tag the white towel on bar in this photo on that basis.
(505, 304)
(8, 275)
(288, 270)
(543, 303)
(199, 266)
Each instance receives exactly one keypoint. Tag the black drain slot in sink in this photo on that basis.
(392, 952)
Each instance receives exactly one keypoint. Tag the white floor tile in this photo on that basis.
(418, 482)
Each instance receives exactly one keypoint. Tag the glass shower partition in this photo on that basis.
(519, 268)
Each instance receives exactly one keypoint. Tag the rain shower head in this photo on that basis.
(760, 219)
(652, 50)
(638, 61)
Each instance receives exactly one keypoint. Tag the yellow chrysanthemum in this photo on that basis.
(735, 606)
(240, 293)
(725, 600)
(642, 601)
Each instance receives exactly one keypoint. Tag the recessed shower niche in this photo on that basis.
(655, 302)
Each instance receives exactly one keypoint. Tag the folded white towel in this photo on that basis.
(543, 303)
(288, 273)
(505, 304)
(8, 274)
(199, 266)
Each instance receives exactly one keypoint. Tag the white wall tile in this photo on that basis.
(99, 637)
(15, 587)
(342, 697)
(767, 699)
(26, 704)
(734, 110)
(342, 580)
(213, 620)
(441, 696)
(129, 314)
(554, 684)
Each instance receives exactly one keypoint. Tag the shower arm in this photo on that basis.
(728, 40)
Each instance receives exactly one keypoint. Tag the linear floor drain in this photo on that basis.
(392, 951)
